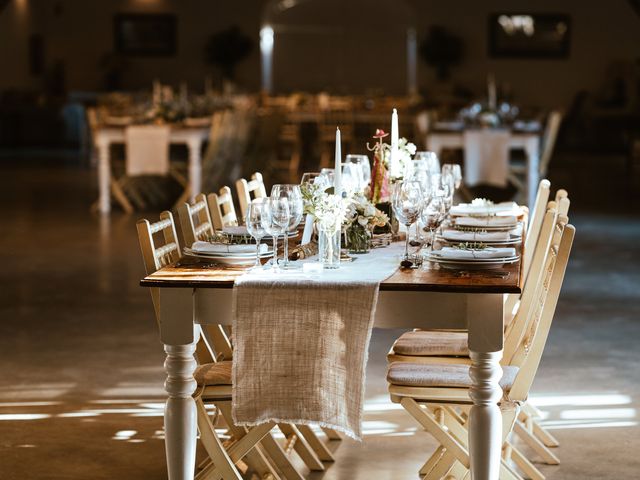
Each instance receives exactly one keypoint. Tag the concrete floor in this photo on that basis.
(81, 386)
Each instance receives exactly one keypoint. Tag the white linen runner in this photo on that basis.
(301, 343)
(486, 157)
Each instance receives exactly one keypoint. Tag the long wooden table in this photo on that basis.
(192, 293)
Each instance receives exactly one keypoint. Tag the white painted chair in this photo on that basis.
(214, 383)
(249, 190)
(223, 212)
(431, 393)
(195, 220)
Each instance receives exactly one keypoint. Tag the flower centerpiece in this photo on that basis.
(362, 217)
(329, 211)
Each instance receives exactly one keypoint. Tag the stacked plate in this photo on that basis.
(496, 238)
(240, 235)
(225, 254)
(495, 223)
(473, 259)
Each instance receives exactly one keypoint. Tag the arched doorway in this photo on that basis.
(338, 46)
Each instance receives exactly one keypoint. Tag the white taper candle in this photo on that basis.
(337, 174)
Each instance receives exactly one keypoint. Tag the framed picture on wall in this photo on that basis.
(529, 35)
(145, 34)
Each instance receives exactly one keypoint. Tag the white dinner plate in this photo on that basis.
(228, 259)
(478, 264)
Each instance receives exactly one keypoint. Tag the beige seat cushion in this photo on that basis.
(211, 374)
(407, 374)
(432, 343)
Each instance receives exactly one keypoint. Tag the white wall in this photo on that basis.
(82, 33)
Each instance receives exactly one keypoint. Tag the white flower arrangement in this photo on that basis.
(362, 211)
(406, 150)
(329, 210)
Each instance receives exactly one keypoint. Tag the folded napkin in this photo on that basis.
(207, 247)
(497, 209)
(496, 221)
(451, 253)
(239, 230)
(459, 236)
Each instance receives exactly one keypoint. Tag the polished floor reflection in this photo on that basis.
(81, 387)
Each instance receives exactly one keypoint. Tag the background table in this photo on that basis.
(192, 293)
(192, 137)
(528, 141)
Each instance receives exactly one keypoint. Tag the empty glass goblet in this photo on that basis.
(294, 198)
(407, 202)
(275, 221)
(255, 226)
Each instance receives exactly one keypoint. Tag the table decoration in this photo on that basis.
(362, 218)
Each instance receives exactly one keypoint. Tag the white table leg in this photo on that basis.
(195, 167)
(485, 313)
(533, 171)
(179, 335)
(104, 176)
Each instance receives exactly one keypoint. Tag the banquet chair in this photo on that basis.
(195, 220)
(249, 190)
(433, 346)
(431, 393)
(214, 383)
(196, 224)
(223, 212)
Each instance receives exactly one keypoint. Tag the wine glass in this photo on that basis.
(365, 166)
(294, 198)
(432, 216)
(407, 203)
(326, 178)
(430, 159)
(352, 180)
(453, 171)
(254, 225)
(308, 178)
(275, 221)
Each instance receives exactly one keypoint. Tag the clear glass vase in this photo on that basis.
(329, 247)
(358, 238)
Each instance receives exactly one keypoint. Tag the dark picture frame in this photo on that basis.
(529, 35)
(145, 34)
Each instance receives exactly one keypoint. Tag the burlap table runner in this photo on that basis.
(301, 344)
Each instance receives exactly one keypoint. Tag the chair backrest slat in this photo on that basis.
(155, 257)
(530, 353)
(549, 140)
(250, 190)
(535, 223)
(517, 327)
(195, 220)
(223, 212)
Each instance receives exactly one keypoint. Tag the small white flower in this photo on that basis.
(363, 220)
(369, 210)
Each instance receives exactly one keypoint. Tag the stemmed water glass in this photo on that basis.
(294, 198)
(432, 215)
(453, 172)
(365, 167)
(275, 221)
(430, 159)
(255, 226)
(407, 203)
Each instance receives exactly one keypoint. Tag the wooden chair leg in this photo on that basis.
(433, 460)
(121, 198)
(302, 447)
(530, 414)
(221, 460)
(525, 465)
(441, 468)
(332, 434)
(255, 458)
(279, 458)
(527, 437)
(316, 444)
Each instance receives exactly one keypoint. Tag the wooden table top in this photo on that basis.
(194, 273)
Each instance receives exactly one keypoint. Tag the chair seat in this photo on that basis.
(432, 343)
(212, 374)
(440, 375)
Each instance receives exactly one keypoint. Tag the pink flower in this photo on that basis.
(380, 133)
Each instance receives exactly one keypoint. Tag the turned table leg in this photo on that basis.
(485, 420)
(179, 335)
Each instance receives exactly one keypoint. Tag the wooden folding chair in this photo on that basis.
(249, 190)
(431, 393)
(195, 220)
(214, 384)
(223, 212)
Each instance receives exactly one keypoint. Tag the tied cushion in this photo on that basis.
(211, 374)
(432, 343)
(440, 375)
